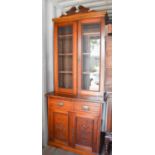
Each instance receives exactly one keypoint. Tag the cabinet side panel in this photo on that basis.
(50, 124)
(55, 57)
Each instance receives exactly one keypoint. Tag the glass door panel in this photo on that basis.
(65, 57)
(91, 56)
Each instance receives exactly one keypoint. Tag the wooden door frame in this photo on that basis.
(102, 55)
(74, 60)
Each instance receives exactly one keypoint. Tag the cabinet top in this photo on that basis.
(79, 16)
(96, 99)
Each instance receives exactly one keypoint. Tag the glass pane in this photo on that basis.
(90, 56)
(65, 55)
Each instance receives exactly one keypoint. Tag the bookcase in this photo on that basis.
(75, 106)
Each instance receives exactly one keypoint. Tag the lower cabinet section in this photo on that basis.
(73, 130)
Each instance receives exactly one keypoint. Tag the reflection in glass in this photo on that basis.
(65, 56)
(90, 56)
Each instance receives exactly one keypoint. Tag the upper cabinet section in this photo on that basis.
(79, 53)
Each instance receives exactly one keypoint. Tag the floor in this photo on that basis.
(55, 151)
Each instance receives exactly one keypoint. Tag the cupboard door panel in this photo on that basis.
(58, 126)
(84, 133)
(61, 127)
(87, 132)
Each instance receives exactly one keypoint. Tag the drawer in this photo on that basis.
(87, 107)
(58, 104)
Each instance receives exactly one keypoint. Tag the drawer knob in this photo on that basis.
(85, 108)
(60, 104)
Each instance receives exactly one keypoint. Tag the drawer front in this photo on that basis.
(87, 107)
(58, 104)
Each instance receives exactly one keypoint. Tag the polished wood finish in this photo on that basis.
(109, 28)
(109, 114)
(84, 131)
(72, 135)
(60, 105)
(74, 113)
(80, 16)
(108, 82)
(74, 123)
(70, 97)
(87, 107)
(60, 126)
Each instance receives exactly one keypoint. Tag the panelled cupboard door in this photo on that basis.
(86, 133)
(91, 56)
(65, 55)
(58, 126)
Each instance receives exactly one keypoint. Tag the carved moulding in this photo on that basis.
(76, 10)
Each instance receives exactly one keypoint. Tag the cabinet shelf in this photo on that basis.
(91, 33)
(65, 35)
(86, 53)
(65, 54)
(90, 72)
(90, 54)
(65, 72)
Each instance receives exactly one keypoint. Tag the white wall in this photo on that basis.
(48, 12)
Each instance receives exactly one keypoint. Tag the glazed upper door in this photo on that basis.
(91, 56)
(65, 46)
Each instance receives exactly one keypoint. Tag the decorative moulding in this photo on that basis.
(76, 10)
(78, 13)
